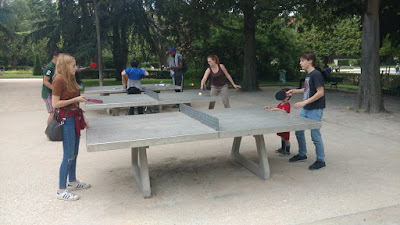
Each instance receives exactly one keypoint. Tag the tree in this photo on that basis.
(99, 48)
(324, 12)
(370, 89)
(342, 38)
(37, 70)
(219, 12)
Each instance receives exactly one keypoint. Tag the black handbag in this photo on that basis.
(54, 130)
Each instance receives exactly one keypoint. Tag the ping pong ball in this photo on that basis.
(199, 93)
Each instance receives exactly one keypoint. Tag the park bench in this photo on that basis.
(333, 81)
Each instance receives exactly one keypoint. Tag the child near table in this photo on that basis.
(283, 106)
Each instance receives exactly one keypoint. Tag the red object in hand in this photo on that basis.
(93, 65)
(95, 100)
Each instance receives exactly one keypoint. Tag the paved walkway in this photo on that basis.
(197, 182)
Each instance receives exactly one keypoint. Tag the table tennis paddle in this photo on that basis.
(94, 100)
(93, 65)
(204, 87)
(280, 95)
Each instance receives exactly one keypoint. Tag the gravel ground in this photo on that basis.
(197, 182)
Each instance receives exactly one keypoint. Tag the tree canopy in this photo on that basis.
(254, 39)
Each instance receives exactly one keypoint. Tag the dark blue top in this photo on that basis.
(135, 73)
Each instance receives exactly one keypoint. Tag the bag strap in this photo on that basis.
(66, 114)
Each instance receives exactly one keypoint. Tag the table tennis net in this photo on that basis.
(152, 94)
(204, 118)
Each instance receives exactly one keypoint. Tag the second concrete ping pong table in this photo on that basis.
(149, 98)
(117, 89)
(137, 133)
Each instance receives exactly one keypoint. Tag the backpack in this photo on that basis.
(185, 67)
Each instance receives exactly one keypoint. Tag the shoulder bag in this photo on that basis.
(55, 129)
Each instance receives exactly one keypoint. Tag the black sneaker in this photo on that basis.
(278, 150)
(317, 165)
(284, 153)
(298, 158)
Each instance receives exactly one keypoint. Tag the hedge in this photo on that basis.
(109, 73)
(153, 74)
(348, 62)
(94, 74)
(390, 83)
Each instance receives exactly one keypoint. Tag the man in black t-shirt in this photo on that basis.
(313, 105)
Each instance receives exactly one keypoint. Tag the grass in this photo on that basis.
(18, 74)
(348, 86)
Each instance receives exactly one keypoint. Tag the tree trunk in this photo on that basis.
(162, 55)
(116, 51)
(370, 93)
(99, 50)
(249, 81)
(14, 61)
(120, 49)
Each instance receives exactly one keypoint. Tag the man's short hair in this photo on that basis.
(309, 56)
(134, 63)
(56, 52)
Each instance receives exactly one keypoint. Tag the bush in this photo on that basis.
(343, 62)
(37, 69)
(159, 74)
(149, 64)
(194, 74)
(94, 74)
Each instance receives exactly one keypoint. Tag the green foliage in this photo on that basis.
(226, 45)
(37, 70)
(340, 39)
(94, 74)
(278, 49)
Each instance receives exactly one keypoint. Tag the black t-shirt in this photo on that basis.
(78, 80)
(311, 82)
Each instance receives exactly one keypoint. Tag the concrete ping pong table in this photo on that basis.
(149, 98)
(137, 133)
(117, 89)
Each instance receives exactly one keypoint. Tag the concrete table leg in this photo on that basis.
(262, 168)
(115, 112)
(141, 170)
(108, 111)
(211, 105)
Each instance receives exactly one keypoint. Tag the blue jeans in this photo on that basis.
(71, 148)
(315, 114)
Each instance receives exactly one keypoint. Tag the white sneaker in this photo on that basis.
(78, 186)
(67, 196)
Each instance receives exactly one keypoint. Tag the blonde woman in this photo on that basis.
(219, 74)
(66, 95)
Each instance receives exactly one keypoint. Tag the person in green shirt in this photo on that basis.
(47, 87)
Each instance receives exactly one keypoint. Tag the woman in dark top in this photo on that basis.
(219, 74)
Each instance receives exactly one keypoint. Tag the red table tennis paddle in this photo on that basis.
(94, 100)
(280, 95)
(93, 65)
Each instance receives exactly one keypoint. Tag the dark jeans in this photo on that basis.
(178, 80)
(130, 91)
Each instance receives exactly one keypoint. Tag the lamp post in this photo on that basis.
(99, 49)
